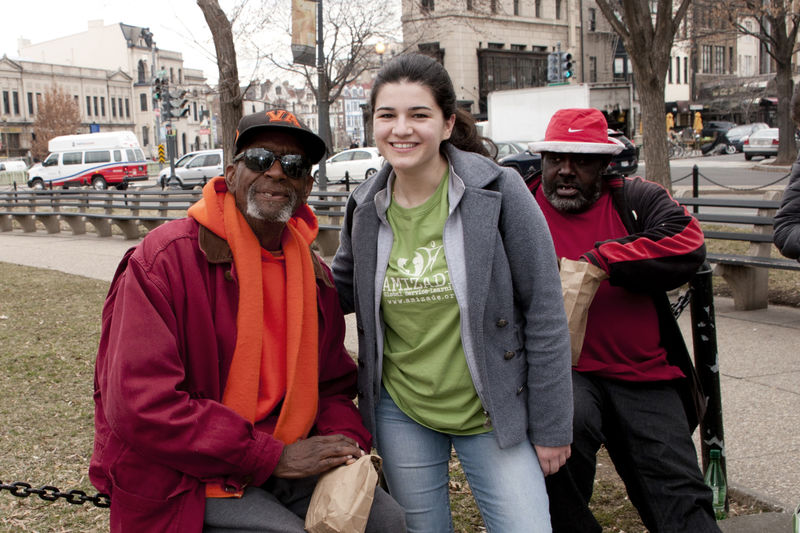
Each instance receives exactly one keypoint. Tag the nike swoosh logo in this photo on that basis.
(573, 131)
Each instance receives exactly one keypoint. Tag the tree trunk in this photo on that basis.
(654, 134)
(230, 97)
(787, 150)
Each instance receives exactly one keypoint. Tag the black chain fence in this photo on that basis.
(696, 174)
(50, 494)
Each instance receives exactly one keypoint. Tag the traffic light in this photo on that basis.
(177, 104)
(157, 89)
(552, 67)
(566, 66)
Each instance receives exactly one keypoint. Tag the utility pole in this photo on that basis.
(322, 92)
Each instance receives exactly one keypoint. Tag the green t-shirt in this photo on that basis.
(424, 368)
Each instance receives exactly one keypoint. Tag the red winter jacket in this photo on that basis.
(168, 336)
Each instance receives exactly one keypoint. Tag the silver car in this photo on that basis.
(193, 169)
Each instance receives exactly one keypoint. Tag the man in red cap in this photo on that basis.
(222, 384)
(634, 380)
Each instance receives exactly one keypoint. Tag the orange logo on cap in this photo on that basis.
(281, 115)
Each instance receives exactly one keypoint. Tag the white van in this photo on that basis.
(194, 168)
(13, 165)
(96, 159)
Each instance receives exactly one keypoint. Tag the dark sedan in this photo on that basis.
(626, 162)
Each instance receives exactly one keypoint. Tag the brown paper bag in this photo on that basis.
(579, 283)
(343, 497)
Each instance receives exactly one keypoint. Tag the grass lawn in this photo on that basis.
(49, 330)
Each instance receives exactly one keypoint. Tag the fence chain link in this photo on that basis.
(50, 493)
(742, 189)
(680, 304)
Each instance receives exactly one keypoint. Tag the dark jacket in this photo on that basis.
(168, 336)
(663, 250)
(787, 220)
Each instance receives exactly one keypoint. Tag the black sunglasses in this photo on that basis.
(295, 166)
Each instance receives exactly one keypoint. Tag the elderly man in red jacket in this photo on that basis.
(222, 385)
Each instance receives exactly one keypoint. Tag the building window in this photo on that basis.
(103, 105)
(516, 7)
(669, 72)
(705, 59)
(518, 47)
(145, 136)
(113, 107)
(678, 70)
(592, 19)
(119, 101)
(495, 46)
(143, 101)
(127, 108)
(426, 5)
(95, 107)
(30, 103)
(686, 70)
(469, 5)
(171, 75)
(88, 106)
(6, 103)
(558, 9)
(719, 59)
(730, 60)
(15, 98)
(194, 110)
(592, 69)
(141, 71)
(180, 75)
(537, 8)
(493, 6)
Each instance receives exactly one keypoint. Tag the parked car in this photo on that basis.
(763, 142)
(13, 165)
(193, 169)
(506, 148)
(716, 127)
(359, 163)
(626, 162)
(736, 136)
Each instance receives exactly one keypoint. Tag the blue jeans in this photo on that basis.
(508, 484)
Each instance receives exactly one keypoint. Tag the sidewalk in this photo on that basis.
(758, 356)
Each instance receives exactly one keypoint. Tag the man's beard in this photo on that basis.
(574, 204)
(282, 215)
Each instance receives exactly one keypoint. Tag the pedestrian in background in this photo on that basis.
(463, 339)
(634, 384)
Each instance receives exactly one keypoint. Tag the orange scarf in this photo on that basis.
(217, 211)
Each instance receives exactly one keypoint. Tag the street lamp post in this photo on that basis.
(380, 49)
(322, 92)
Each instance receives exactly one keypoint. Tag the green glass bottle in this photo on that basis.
(715, 479)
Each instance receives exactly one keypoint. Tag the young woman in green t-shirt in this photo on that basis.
(463, 342)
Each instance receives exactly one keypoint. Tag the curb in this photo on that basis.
(753, 498)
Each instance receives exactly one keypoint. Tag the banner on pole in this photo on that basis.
(304, 32)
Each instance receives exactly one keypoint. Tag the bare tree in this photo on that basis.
(230, 94)
(58, 114)
(648, 38)
(777, 24)
(351, 30)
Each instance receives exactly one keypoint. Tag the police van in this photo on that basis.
(97, 159)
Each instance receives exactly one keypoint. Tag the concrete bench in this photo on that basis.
(747, 274)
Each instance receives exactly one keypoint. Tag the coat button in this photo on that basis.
(228, 275)
(502, 323)
(508, 355)
(520, 389)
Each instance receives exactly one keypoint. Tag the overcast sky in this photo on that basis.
(176, 24)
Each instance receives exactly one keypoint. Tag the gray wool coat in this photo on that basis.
(505, 276)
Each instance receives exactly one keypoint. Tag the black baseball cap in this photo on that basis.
(279, 120)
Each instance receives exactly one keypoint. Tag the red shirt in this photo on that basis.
(622, 335)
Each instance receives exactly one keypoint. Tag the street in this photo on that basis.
(725, 171)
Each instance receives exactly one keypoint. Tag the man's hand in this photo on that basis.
(551, 458)
(316, 455)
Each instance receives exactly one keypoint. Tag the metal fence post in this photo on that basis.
(704, 340)
(695, 186)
